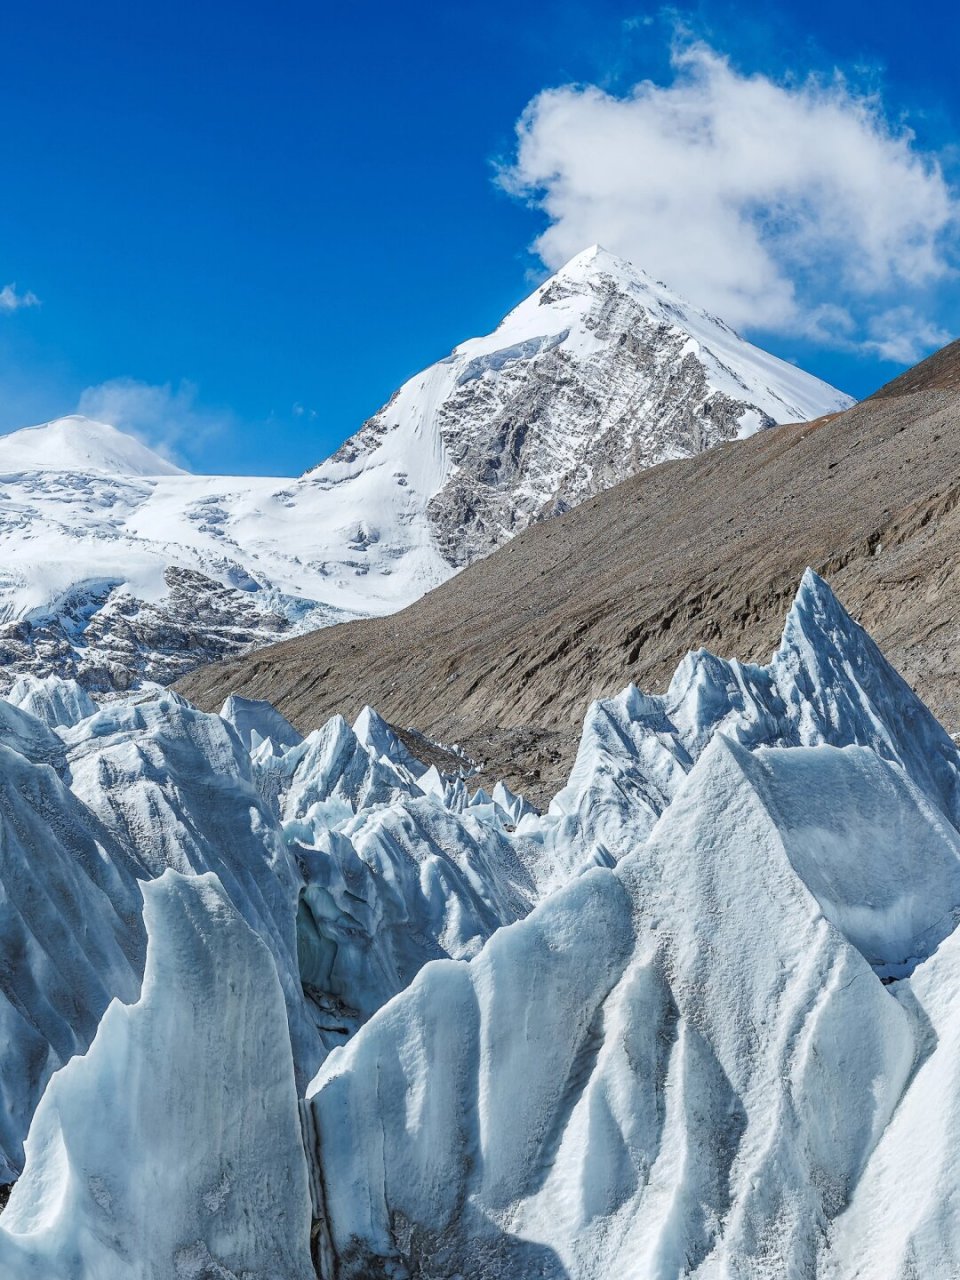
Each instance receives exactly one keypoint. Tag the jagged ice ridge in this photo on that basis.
(699, 1018)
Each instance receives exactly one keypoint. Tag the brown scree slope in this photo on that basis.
(702, 552)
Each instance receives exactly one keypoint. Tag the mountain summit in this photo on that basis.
(76, 443)
(116, 566)
(599, 373)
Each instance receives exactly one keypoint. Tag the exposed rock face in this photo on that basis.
(126, 640)
(522, 467)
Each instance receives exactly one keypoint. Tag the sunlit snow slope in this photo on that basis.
(76, 443)
(117, 567)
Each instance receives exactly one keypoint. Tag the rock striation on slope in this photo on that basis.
(118, 568)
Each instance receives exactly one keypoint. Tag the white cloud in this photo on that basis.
(903, 336)
(165, 417)
(11, 300)
(783, 206)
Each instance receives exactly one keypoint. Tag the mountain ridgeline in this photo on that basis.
(117, 567)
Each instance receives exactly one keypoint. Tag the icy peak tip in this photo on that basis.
(815, 609)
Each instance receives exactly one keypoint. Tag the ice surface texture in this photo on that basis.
(687, 1063)
(173, 1147)
(699, 1019)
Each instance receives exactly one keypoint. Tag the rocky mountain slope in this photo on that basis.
(266, 984)
(704, 551)
(118, 567)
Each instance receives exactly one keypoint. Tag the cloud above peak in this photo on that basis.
(168, 418)
(12, 300)
(789, 206)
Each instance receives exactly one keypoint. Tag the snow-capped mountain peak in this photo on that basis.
(596, 261)
(600, 372)
(116, 566)
(76, 443)
(594, 265)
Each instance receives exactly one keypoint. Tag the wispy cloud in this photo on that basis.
(168, 418)
(12, 300)
(793, 205)
(903, 336)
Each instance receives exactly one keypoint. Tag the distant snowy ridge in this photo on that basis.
(116, 567)
(82, 444)
(717, 1038)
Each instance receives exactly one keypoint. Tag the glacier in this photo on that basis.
(88, 814)
(699, 1018)
(71, 936)
(674, 1067)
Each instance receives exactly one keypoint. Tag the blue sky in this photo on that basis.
(252, 222)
